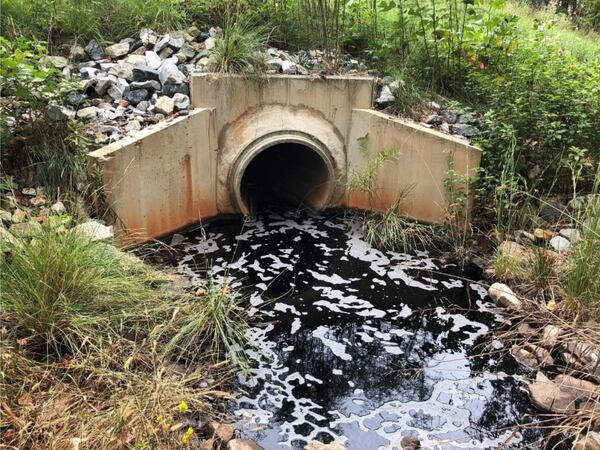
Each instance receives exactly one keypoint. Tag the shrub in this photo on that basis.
(61, 289)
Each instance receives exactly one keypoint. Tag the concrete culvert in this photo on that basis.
(286, 174)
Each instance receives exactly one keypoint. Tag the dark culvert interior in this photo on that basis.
(285, 175)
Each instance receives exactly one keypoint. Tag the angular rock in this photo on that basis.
(547, 396)
(153, 60)
(464, 129)
(91, 112)
(223, 431)
(88, 73)
(542, 234)
(502, 295)
(434, 119)
(169, 74)
(513, 249)
(532, 356)
(150, 85)
(136, 96)
(26, 229)
(77, 53)
(316, 445)
(94, 50)
(60, 62)
(137, 60)
(181, 102)
(288, 67)
(5, 216)
(75, 98)
(58, 208)
(572, 234)
(18, 216)
(560, 244)
(215, 32)
(123, 69)
(243, 444)
(95, 231)
(386, 97)
(148, 37)
(164, 105)
(176, 42)
(166, 52)
(171, 89)
(162, 43)
(145, 73)
(187, 51)
(209, 43)
(117, 50)
(59, 113)
(580, 389)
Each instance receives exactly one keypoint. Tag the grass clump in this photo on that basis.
(213, 322)
(239, 50)
(61, 289)
(390, 231)
(582, 284)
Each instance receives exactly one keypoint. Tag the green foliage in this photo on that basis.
(582, 284)
(214, 323)
(24, 77)
(364, 180)
(390, 231)
(61, 289)
(239, 50)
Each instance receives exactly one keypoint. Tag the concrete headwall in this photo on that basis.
(162, 179)
(186, 170)
(420, 169)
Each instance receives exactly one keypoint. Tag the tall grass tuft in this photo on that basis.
(239, 50)
(65, 293)
(213, 322)
(582, 285)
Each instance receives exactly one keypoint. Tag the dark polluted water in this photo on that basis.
(357, 345)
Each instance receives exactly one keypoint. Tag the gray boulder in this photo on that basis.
(94, 50)
(386, 98)
(145, 73)
(117, 50)
(136, 96)
(153, 60)
(181, 102)
(170, 74)
(148, 37)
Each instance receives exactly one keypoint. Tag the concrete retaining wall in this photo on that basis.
(162, 179)
(421, 168)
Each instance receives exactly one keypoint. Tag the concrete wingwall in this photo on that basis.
(419, 171)
(188, 169)
(162, 179)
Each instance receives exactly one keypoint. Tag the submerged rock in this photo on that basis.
(410, 443)
(502, 295)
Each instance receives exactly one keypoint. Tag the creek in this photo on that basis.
(357, 345)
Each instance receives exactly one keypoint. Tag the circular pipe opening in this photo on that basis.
(290, 172)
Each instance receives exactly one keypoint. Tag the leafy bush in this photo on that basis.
(60, 289)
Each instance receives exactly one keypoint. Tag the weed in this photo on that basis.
(212, 322)
(60, 289)
(239, 50)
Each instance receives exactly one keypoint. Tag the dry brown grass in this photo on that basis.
(141, 401)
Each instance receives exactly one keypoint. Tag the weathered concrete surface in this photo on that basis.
(186, 170)
(421, 168)
(254, 114)
(163, 178)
